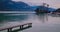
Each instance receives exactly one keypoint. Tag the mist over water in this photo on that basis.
(40, 22)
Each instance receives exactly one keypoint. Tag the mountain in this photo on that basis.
(52, 9)
(8, 5)
(14, 6)
(57, 10)
(45, 8)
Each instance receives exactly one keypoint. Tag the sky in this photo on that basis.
(52, 3)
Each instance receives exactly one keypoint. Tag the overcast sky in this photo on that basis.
(52, 3)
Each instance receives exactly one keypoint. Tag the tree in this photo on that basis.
(43, 8)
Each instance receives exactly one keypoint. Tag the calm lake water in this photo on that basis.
(40, 22)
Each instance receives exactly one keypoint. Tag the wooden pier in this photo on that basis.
(9, 29)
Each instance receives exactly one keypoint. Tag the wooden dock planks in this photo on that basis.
(9, 28)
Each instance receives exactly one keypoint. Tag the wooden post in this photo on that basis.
(21, 27)
(9, 30)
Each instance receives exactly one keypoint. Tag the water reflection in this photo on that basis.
(44, 23)
(40, 22)
(55, 15)
(43, 17)
(12, 17)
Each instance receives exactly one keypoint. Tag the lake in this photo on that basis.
(40, 22)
